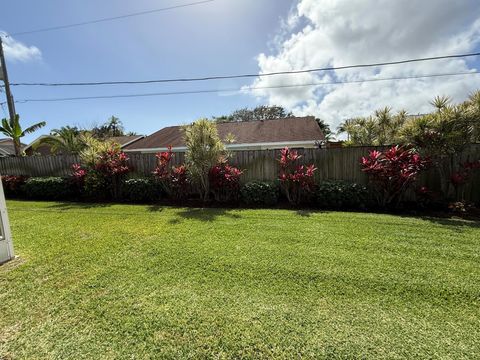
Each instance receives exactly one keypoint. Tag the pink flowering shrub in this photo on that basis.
(393, 172)
(225, 182)
(296, 181)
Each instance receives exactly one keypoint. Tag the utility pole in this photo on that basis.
(4, 77)
(6, 243)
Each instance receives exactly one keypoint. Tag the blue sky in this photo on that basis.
(231, 37)
(221, 37)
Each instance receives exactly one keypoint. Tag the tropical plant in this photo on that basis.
(204, 150)
(172, 179)
(13, 129)
(225, 182)
(382, 128)
(392, 172)
(443, 136)
(66, 140)
(296, 181)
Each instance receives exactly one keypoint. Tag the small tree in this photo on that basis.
(296, 180)
(13, 129)
(204, 150)
(393, 172)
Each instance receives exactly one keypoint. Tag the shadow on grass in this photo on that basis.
(204, 214)
(456, 224)
(78, 205)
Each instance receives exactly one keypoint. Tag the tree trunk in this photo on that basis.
(17, 147)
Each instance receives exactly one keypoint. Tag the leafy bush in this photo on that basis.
(338, 194)
(393, 172)
(96, 186)
(140, 190)
(225, 182)
(13, 185)
(258, 193)
(296, 180)
(48, 188)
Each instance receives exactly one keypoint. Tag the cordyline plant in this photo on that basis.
(107, 165)
(172, 179)
(462, 176)
(225, 182)
(296, 181)
(205, 149)
(393, 172)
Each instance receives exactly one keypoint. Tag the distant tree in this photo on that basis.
(325, 128)
(113, 127)
(66, 140)
(263, 112)
(13, 129)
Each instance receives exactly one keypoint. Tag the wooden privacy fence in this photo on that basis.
(339, 164)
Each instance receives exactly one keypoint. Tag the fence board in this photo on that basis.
(340, 164)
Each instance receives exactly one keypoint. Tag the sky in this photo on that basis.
(225, 37)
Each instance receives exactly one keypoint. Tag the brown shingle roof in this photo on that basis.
(122, 140)
(251, 132)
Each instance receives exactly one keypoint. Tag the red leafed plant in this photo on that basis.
(393, 172)
(296, 180)
(172, 179)
(112, 162)
(12, 184)
(225, 181)
(162, 171)
(463, 176)
(78, 175)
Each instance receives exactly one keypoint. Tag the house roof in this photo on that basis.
(6, 147)
(125, 140)
(287, 130)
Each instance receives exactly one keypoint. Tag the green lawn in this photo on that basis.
(122, 281)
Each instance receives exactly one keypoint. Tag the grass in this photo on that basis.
(139, 282)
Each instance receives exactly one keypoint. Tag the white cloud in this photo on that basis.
(345, 32)
(17, 51)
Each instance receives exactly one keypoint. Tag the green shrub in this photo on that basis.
(338, 194)
(96, 186)
(260, 193)
(48, 188)
(140, 190)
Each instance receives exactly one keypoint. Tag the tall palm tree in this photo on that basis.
(115, 127)
(66, 140)
(13, 129)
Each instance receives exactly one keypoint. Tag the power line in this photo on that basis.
(206, 91)
(223, 77)
(59, 27)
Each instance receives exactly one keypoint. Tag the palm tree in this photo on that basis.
(348, 126)
(66, 140)
(115, 127)
(13, 129)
